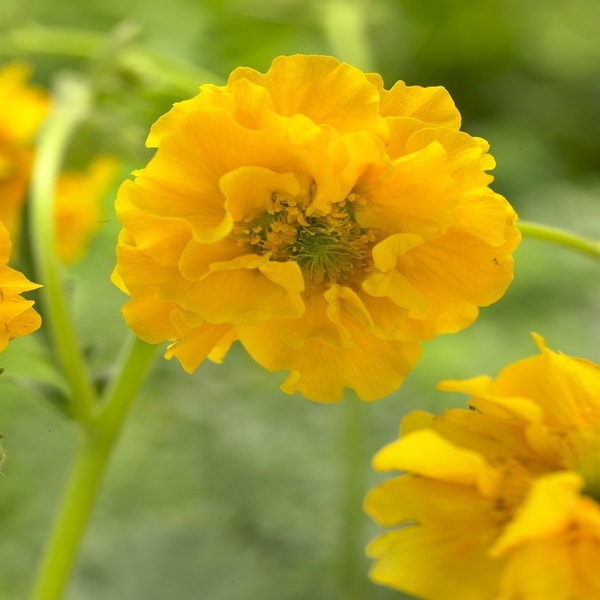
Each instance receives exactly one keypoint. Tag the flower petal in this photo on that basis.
(416, 196)
(319, 371)
(430, 556)
(302, 84)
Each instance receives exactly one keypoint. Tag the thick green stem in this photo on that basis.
(96, 441)
(560, 237)
(70, 108)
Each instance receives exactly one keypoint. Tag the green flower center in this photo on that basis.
(330, 248)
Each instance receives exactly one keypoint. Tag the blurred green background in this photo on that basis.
(223, 487)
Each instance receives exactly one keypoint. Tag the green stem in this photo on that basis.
(71, 107)
(89, 45)
(96, 442)
(560, 237)
(352, 581)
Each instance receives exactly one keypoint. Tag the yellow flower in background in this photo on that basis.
(500, 502)
(17, 317)
(22, 110)
(326, 223)
(78, 208)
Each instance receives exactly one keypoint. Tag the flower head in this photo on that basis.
(22, 110)
(325, 222)
(79, 206)
(502, 501)
(17, 317)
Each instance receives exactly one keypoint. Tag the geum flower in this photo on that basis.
(79, 206)
(23, 108)
(17, 316)
(326, 223)
(500, 502)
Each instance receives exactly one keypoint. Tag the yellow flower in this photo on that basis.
(17, 317)
(78, 210)
(500, 502)
(22, 110)
(326, 223)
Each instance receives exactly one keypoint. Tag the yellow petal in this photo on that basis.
(303, 84)
(319, 371)
(196, 259)
(488, 216)
(195, 344)
(445, 532)
(467, 156)
(249, 191)
(548, 509)
(457, 272)
(149, 317)
(566, 388)
(244, 291)
(164, 239)
(389, 282)
(416, 196)
(142, 271)
(426, 453)
(431, 105)
(553, 569)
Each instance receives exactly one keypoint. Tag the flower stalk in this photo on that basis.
(96, 442)
(71, 106)
(100, 420)
(560, 237)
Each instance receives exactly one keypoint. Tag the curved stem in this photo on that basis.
(97, 440)
(71, 107)
(560, 237)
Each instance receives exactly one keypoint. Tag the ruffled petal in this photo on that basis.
(457, 272)
(303, 84)
(320, 371)
(431, 105)
(468, 160)
(149, 317)
(249, 191)
(389, 282)
(195, 343)
(416, 196)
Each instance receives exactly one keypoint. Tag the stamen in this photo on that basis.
(332, 248)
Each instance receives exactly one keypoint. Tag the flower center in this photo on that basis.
(330, 248)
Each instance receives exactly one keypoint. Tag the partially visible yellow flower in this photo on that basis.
(17, 316)
(22, 110)
(502, 501)
(325, 222)
(78, 208)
